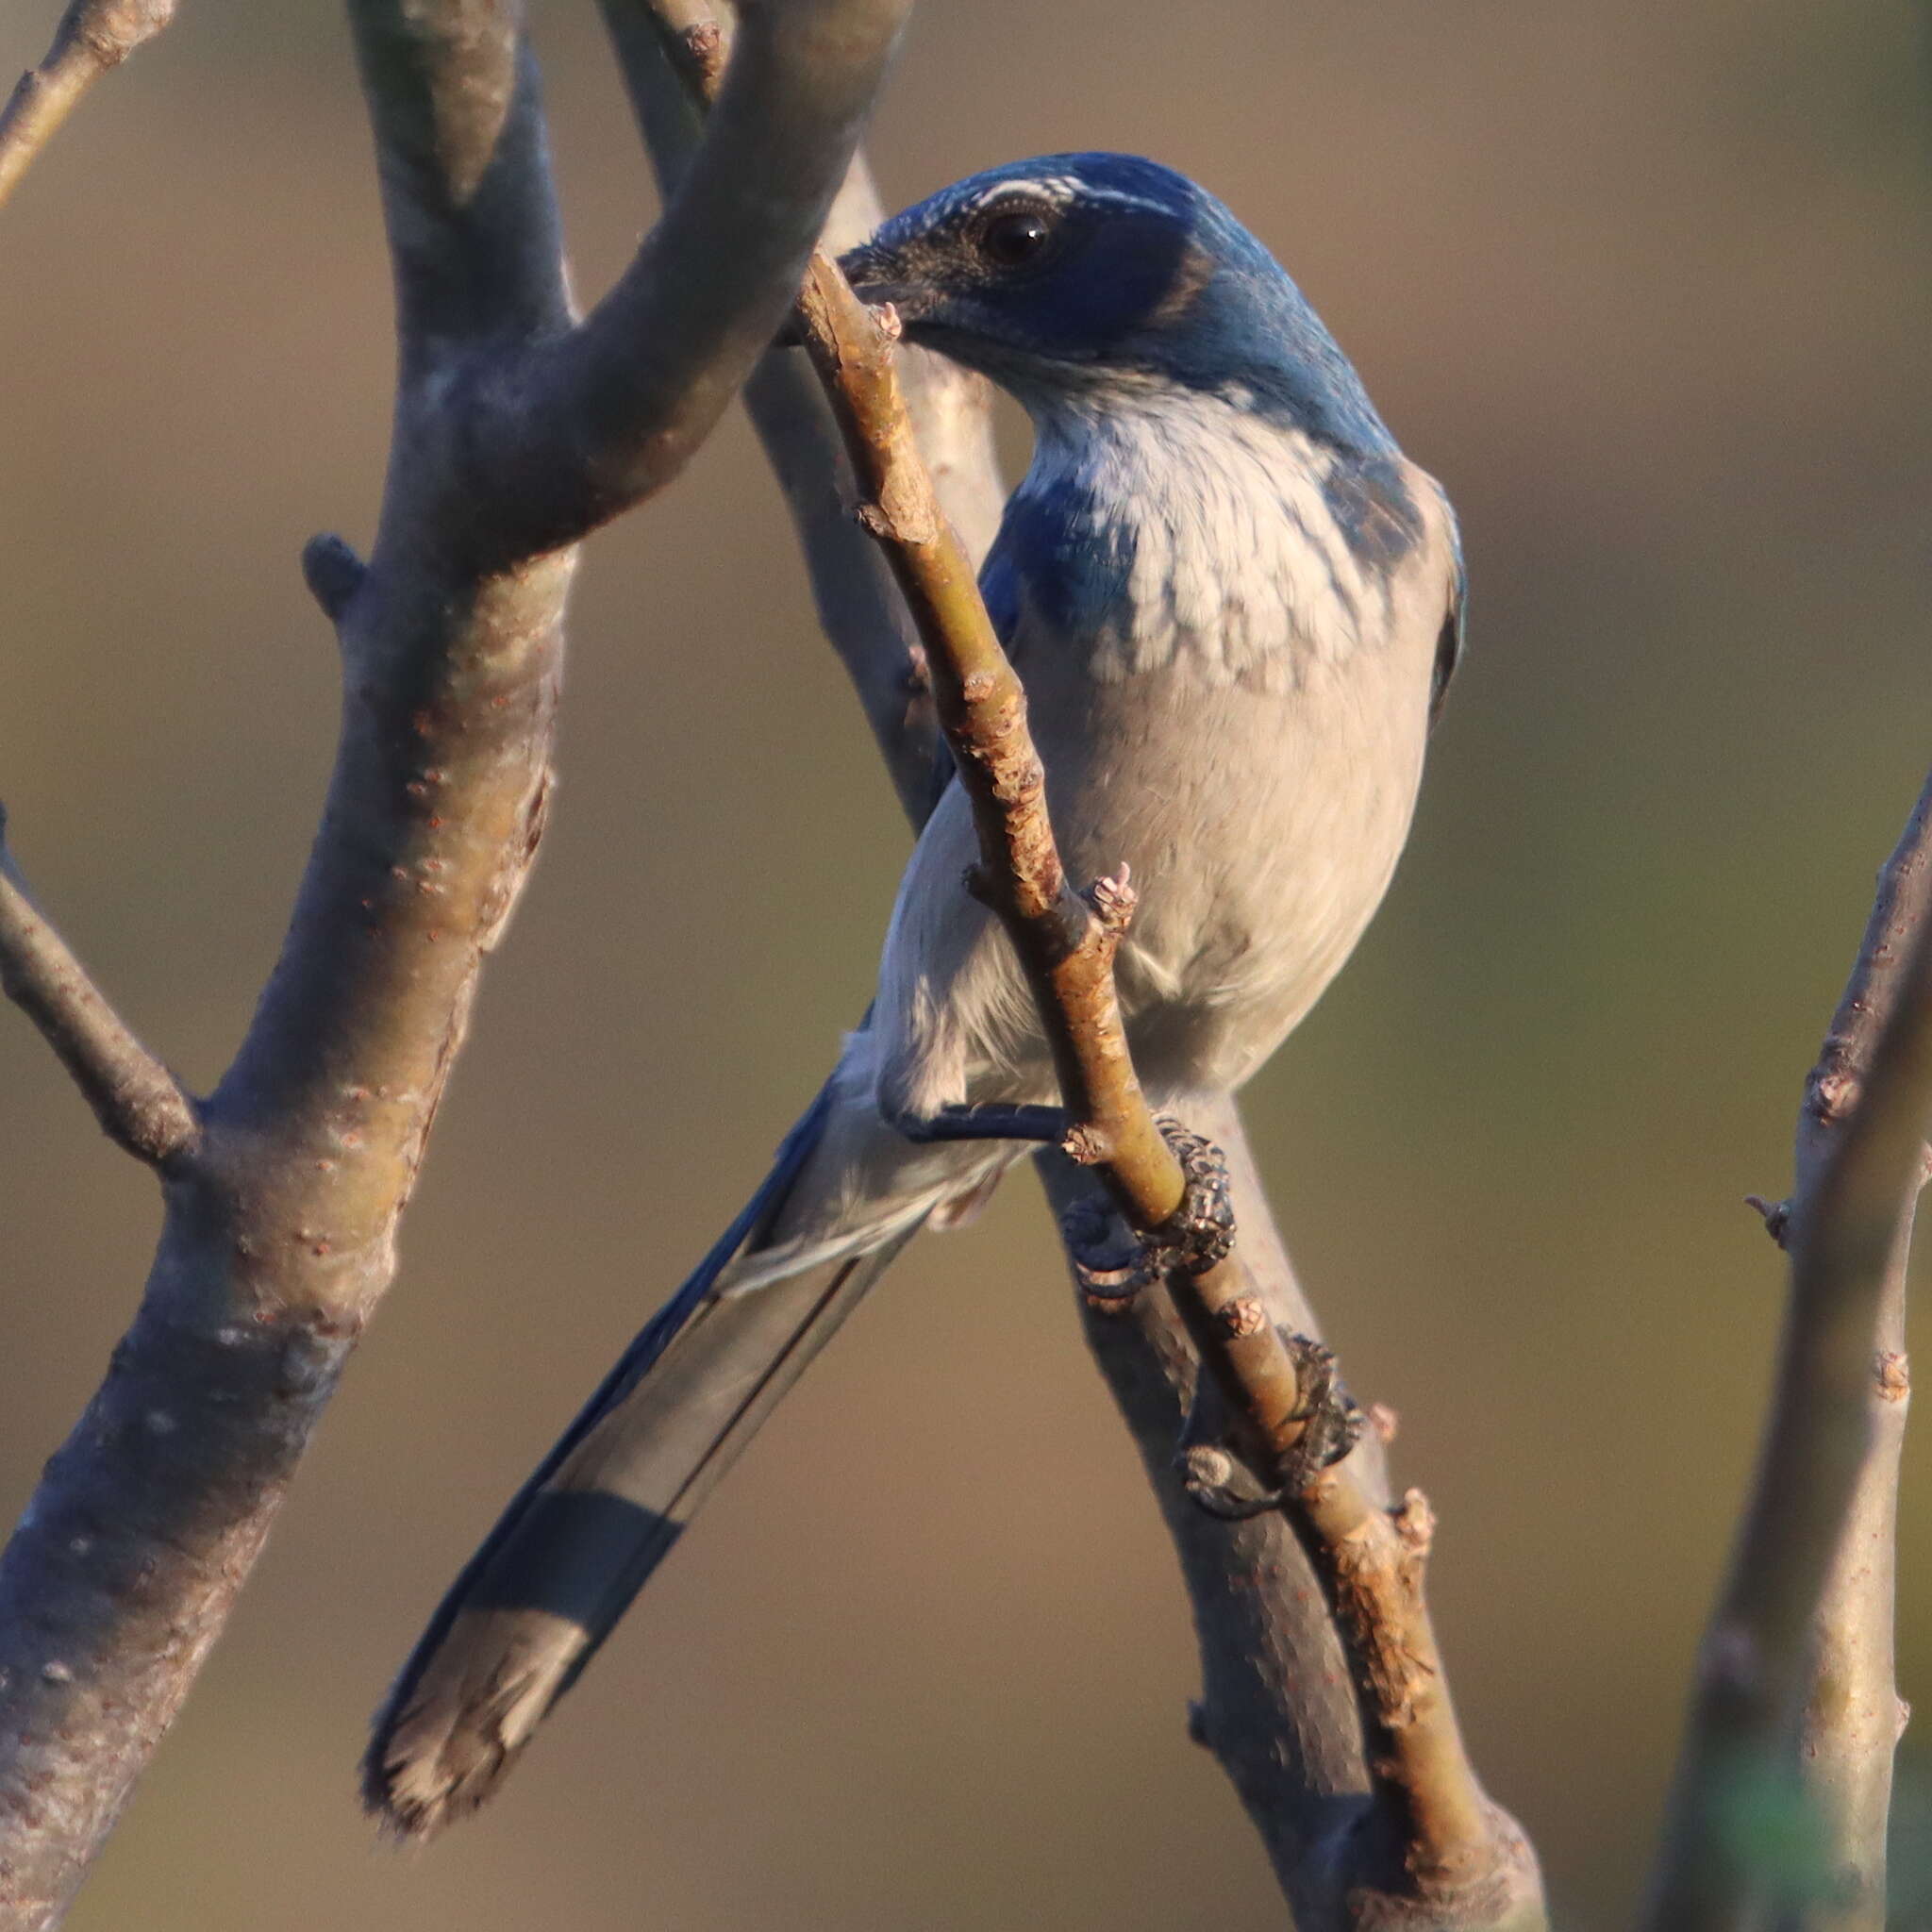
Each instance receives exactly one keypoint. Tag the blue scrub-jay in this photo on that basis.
(1235, 606)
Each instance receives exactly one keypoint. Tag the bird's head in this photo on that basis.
(1071, 274)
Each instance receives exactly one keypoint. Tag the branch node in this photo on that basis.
(1832, 1094)
(1893, 1375)
(1415, 1524)
(703, 46)
(1776, 1216)
(1242, 1317)
(333, 573)
(112, 31)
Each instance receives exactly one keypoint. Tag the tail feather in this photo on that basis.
(579, 1541)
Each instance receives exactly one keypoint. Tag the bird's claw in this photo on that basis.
(1108, 1260)
(1112, 1265)
(1221, 1479)
(1199, 1234)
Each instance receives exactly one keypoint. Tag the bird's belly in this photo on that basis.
(1262, 840)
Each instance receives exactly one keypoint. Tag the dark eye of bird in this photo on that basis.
(1015, 238)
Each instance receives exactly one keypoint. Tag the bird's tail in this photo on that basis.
(603, 1508)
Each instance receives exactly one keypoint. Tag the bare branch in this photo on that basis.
(1065, 943)
(94, 36)
(513, 433)
(597, 418)
(1458, 1856)
(547, 429)
(476, 245)
(858, 605)
(138, 1102)
(1450, 1853)
(1277, 1707)
(1901, 908)
(1795, 1715)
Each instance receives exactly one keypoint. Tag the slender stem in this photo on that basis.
(140, 1104)
(1794, 1717)
(93, 38)
(1454, 1843)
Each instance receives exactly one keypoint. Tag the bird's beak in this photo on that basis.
(876, 278)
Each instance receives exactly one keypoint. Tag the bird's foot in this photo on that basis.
(1199, 1234)
(1223, 1480)
(1113, 1264)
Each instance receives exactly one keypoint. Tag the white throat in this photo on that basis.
(1239, 567)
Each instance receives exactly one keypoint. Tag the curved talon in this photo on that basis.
(1335, 1421)
(1199, 1235)
(1223, 1485)
(1112, 1265)
(1109, 1261)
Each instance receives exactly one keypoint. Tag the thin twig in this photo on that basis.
(140, 1104)
(1456, 1839)
(1902, 905)
(1276, 1704)
(1066, 941)
(94, 36)
(1794, 1715)
(1454, 1842)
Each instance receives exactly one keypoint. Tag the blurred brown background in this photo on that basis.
(1648, 287)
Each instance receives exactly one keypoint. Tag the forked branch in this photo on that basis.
(517, 431)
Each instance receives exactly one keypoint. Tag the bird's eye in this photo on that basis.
(1017, 237)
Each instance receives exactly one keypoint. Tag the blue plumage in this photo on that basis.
(1210, 478)
(1145, 273)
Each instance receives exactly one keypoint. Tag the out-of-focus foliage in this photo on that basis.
(1646, 286)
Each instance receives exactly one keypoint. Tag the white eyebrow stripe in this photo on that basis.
(1061, 190)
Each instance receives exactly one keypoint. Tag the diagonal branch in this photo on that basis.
(1445, 1850)
(140, 1104)
(862, 613)
(1453, 1845)
(93, 38)
(1277, 1708)
(1794, 1715)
